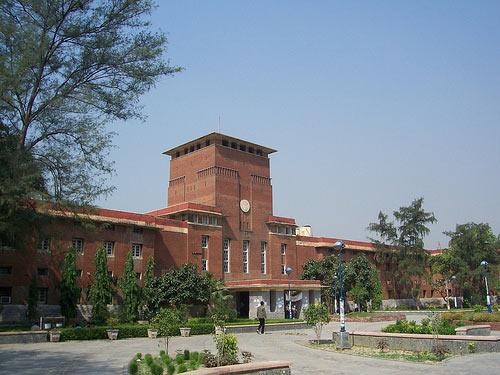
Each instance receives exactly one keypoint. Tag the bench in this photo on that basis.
(48, 322)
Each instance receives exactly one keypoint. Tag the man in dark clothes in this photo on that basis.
(261, 315)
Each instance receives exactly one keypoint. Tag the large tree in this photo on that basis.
(67, 69)
(469, 244)
(364, 285)
(70, 293)
(130, 289)
(100, 293)
(400, 245)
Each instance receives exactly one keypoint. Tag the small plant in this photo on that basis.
(317, 316)
(227, 349)
(179, 359)
(182, 368)
(186, 354)
(471, 347)
(195, 356)
(156, 369)
(193, 364)
(247, 356)
(382, 345)
(477, 308)
(440, 351)
(133, 367)
(148, 358)
(209, 359)
(170, 368)
(138, 355)
(112, 321)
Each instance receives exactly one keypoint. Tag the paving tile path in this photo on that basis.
(109, 357)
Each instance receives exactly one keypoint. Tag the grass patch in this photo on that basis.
(15, 328)
(360, 314)
(390, 354)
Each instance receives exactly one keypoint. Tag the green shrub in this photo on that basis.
(227, 348)
(138, 355)
(478, 308)
(179, 358)
(193, 364)
(209, 359)
(99, 332)
(148, 358)
(182, 368)
(156, 369)
(186, 354)
(170, 368)
(201, 328)
(471, 347)
(133, 367)
(195, 356)
(403, 326)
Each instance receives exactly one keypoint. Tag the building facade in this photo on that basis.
(219, 216)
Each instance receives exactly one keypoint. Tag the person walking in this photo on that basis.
(261, 315)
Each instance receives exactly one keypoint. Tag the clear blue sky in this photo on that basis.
(370, 104)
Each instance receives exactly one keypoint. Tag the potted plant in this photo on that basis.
(54, 335)
(153, 330)
(183, 319)
(112, 331)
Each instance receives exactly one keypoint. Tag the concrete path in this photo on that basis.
(110, 357)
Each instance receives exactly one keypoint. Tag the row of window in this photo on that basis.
(78, 244)
(198, 219)
(283, 229)
(226, 249)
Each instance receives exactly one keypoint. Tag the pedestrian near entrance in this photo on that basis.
(261, 315)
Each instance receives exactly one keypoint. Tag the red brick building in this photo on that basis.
(219, 216)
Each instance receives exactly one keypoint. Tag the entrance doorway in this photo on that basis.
(242, 304)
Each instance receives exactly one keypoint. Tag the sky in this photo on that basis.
(369, 104)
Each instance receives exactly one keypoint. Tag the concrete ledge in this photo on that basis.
(269, 327)
(479, 330)
(260, 368)
(421, 343)
(23, 337)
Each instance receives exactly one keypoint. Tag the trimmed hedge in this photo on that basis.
(472, 316)
(126, 331)
(404, 326)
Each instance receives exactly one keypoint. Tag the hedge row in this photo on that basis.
(404, 326)
(472, 316)
(126, 331)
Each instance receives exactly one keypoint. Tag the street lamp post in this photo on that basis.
(484, 264)
(453, 280)
(343, 341)
(288, 271)
(335, 294)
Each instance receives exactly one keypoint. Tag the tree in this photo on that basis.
(168, 321)
(401, 245)
(326, 270)
(469, 244)
(185, 285)
(149, 290)
(131, 292)
(67, 69)
(70, 293)
(317, 316)
(221, 309)
(364, 282)
(100, 293)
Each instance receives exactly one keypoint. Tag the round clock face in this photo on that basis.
(245, 205)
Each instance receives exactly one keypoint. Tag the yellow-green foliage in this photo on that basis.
(472, 316)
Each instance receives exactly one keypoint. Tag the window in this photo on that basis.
(109, 246)
(243, 147)
(283, 258)
(226, 255)
(137, 230)
(5, 295)
(44, 245)
(77, 244)
(204, 242)
(204, 219)
(43, 272)
(137, 250)
(43, 295)
(263, 246)
(246, 247)
(5, 270)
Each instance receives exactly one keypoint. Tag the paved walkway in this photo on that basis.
(109, 357)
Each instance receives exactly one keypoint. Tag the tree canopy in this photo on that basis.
(401, 246)
(67, 69)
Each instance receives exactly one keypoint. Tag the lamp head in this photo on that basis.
(484, 264)
(288, 270)
(339, 245)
